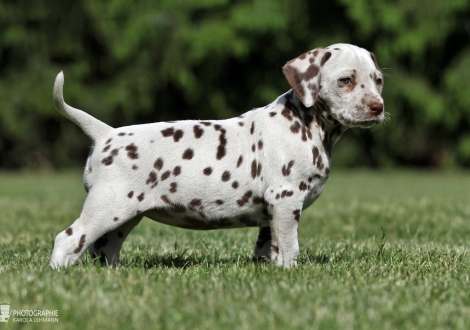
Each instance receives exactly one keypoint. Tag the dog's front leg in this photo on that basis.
(284, 215)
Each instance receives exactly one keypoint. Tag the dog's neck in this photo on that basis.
(317, 119)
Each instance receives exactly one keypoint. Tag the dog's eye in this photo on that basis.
(379, 81)
(345, 81)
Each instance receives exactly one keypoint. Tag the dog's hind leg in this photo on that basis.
(263, 245)
(107, 248)
(103, 213)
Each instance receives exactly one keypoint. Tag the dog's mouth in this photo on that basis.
(360, 123)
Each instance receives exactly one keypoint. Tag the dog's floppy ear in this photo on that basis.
(303, 74)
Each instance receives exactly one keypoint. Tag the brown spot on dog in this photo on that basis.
(207, 171)
(320, 164)
(195, 202)
(219, 202)
(135, 167)
(297, 215)
(81, 243)
(225, 176)
(178, 135)
(106, 148)
(272, 114)
(240, 161)
(258, 200)
(158, 164)
(240, 123)
(165, 199)
(286, 169)
(245, 198)
(235, 184)
(168, 132)
(177, 171)
(152, 178)
(165, 175)
(325, 58)
(303, 186)
(253, 148)
(130, 194)
(287, 113)
(122, 134)
(295, 127)
(254, 168)
(188, 154)
(316, 154)
(141, 197)
(252, 129)
(206, 123)
(109, 141)
(115, 219)
(278, 196)
(173, 187)
(260, 144)
(198, 131)
(107, 161)
(69, 231)
(132, 151)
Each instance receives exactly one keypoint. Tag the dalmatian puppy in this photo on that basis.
(260, 169)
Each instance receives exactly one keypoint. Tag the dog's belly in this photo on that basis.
(187, 219)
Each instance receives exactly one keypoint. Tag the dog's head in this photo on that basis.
(342, 80)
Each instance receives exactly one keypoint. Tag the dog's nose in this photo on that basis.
(376, 107)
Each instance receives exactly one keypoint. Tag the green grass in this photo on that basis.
(379, 250)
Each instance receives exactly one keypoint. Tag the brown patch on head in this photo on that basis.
(188, 154)
(325, 58)
(69, 231)
(198, 131)
(207, 171)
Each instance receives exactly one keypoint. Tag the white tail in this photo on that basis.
(92, 127)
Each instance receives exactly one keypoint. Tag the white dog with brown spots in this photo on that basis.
(257, 170)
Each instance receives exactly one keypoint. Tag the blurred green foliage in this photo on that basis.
(129, 62)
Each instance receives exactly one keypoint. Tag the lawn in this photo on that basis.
(379, 250)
